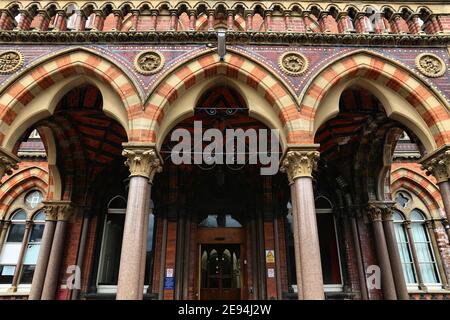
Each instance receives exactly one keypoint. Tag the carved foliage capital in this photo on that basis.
(299, 163)
(142, 161)
(58, 210)
(438, 166)
(378, 211)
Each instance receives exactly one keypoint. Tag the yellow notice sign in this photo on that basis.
(270, 256)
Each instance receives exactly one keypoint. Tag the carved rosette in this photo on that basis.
(149, 62)
(143, 162)
(10, 61)
(293, 63)
(430, 65)
(298, 163)
(438, 165)
(8, 163)
(58, 210)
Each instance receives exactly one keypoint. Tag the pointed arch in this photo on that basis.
(22, 181)
(419, 185)
(428, 116)
(236, 68)
(58, 74)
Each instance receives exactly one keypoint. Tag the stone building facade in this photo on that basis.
(93, 206)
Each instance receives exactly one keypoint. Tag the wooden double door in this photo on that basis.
(221, 269)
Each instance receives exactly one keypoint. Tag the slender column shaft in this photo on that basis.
(42, 262)
(144, 238)
(359, 261)
(19, 265)
(444, 187)
(414, 255)
(394, 256)
(387, 279)
(54, 263)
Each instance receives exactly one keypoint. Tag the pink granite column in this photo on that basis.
(143, 163)
(419, 279)
(65, 211)
(387, 279)
(144, 237)
(299, 164)
(394, 255)
(51, 215)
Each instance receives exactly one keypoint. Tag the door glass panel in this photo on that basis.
(220, 267)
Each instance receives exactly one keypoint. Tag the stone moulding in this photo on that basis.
(232, 37)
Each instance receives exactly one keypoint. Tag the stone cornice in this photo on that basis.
(233, 37)
(142, 160)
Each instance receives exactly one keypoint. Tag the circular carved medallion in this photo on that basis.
(10, 61)
(430, 65)
(149, 62)
(293, 63)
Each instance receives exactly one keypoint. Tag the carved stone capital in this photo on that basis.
(374, 212)
(142, 160)
(8, 162)
(58, 210)
(380, 210)
(438, 164)
(300, 162)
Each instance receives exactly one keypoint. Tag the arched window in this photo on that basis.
(21, 245)
(11, 249)
(414, 243)
(220, 221)
(108, 271)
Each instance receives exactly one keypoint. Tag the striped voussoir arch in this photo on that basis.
(234, 66)
(387, 73)
(22, 180)
(65, 65)
(416, 183)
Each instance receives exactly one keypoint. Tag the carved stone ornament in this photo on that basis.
(8, 163)
(58, 210)
(293, 63)
(149, 62)
(10, 61)
(299, 163)
(430, 65)
(142, 161)
(438, 165)
(374, 212)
